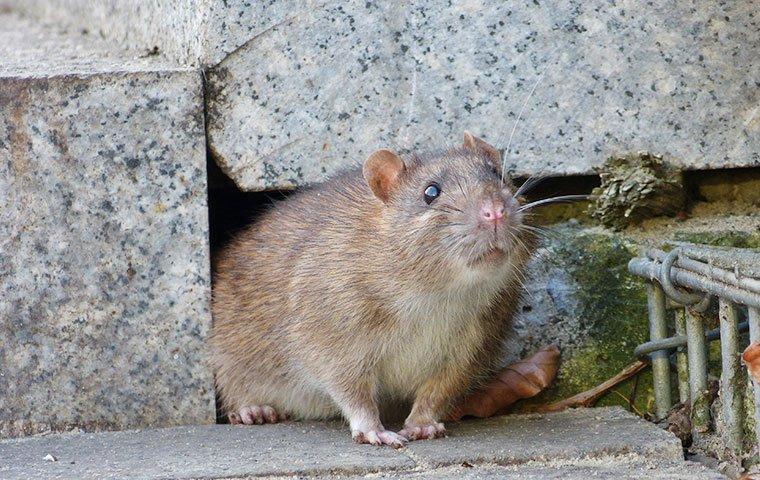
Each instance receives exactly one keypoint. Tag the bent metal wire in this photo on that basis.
(733, 277)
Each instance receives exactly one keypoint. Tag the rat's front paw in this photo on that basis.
(256, 414)
(379, 437)
(423, 432)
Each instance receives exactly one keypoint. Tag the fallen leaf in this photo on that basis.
(519, 380)
(751, 357)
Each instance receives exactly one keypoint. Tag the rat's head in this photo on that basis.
(454, 207)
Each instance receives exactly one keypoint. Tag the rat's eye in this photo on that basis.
(431, 192)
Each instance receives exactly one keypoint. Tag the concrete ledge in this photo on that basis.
(626, 467)
(566, 435)
(580, 443)
(197, 452)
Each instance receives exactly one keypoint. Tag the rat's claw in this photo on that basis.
(269, 414)
(379, 437)
(256, 414)
(423, 432)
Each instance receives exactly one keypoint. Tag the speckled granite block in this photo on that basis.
(187, 32)
(330, 83)
(104, 262)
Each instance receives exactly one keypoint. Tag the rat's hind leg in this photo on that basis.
(256, 414)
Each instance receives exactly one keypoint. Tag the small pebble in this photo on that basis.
(50, 458)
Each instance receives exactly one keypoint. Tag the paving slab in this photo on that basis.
(566, 435)
(628, 467)
(104, 261)
(197, 452)
(321, 89)
(576, 442)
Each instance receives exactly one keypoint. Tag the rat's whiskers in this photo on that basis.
(560, 199)
(517, 120)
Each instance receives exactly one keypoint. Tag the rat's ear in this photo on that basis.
(471, 142)
(382, 172)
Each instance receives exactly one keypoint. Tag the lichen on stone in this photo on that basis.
(736, 239)
(601, 321)
(636, 187)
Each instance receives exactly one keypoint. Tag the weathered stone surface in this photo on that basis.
(604, 443)
(29, 49)
(218, 451)
(104, 263)
(628, 467)
(580, 296)
(322, 89)
(566, 435)
(172, 27)
(186, 32)
(307, 88)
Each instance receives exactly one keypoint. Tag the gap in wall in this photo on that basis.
(231, 209)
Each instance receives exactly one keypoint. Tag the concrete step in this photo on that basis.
(104, 262)
(601, 443)
(187, 32)
(623, 467)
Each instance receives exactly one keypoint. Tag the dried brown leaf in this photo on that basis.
(751, 357)
(519, 380)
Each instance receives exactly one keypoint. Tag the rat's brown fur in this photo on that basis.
(337, 302)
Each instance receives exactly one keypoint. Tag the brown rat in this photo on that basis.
(391, 284)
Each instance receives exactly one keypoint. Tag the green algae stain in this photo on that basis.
(736, 239)
(612, 315)
(612, 303)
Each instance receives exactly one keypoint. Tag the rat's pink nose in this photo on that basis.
(492, 211)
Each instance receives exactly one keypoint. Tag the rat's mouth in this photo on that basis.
(490, 257)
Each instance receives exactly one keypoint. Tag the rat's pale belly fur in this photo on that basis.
(424, 345)
(438, 328)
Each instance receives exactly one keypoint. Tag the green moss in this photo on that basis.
(612, 314)
(722, 239)
(613, 319)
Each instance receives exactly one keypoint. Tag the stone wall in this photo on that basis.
(104, 261)
(323, 89)
(185, 32)
(299, 90)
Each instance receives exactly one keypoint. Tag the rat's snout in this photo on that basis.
(492, 211)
